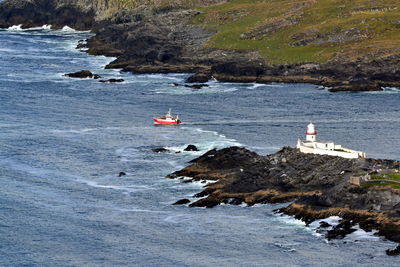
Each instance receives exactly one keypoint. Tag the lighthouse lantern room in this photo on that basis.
(311, 134)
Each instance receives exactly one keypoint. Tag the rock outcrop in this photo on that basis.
(319, 185)
(82, 74)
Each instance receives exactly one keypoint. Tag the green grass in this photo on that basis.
(342, 150)
(380, 28)
(390, 176)
(394, 186)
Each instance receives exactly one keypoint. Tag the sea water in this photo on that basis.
(63, 142)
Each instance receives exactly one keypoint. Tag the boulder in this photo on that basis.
(191, 148)
(324, 224)
(159, 150)
(80, 74)
(112, 81)
(393, 252)
(196, 86)
(182, 202)
(200, 77)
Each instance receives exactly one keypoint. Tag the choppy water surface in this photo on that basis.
(63, 142)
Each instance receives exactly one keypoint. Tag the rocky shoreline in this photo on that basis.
(316, 186)
(164, 40)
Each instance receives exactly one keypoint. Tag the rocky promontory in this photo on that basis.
(353, 47)
(318, 186)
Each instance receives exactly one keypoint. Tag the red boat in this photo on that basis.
(167, 119)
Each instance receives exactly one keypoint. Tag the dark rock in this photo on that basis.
(112, 81)
(182, 202)
(341, 230)
(80, 74)
(191, 148)
(239, 68)
(393, 252)
(324, 224)
(96, 76)
(121, 174)
(196, 86)
(235, 201)
(200, 77)
(159, 150)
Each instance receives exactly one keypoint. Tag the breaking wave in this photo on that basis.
(15, 28)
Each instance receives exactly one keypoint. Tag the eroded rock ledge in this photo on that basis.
(318, 185)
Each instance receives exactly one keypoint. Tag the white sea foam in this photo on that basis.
(289, 220)
(204, 146)
(74, 131)
(390, 90)
(130, 189)
(258, 85)
(15, 28)
(183, 90)
(360, 234)
(140, 210)
(333, 220)
(67, 29)
(46, 27)
(196, 184)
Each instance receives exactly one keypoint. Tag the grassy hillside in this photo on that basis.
(291, 31)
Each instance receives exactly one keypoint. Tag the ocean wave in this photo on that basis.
(129, 189)
(253, 86)
(360, 234)
(46, 27)
(289, 220)
(183, 90)
(67, 29)
(74, 131)
(204, 146)
(15, 28)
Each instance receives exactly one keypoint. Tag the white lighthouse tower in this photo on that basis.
(311, 134)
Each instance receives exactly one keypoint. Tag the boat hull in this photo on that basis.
(163, 122)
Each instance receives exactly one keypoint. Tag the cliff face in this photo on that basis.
(32, 13)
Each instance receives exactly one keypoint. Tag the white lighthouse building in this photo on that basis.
(311, 145)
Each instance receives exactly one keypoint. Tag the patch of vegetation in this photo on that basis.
(341, 150)
(394, 186)
(292, 31)
(389, 176)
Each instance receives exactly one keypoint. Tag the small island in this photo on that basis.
(362, 191)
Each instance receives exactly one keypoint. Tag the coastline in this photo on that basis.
(300, 211)
(314, 186)
(167, 41)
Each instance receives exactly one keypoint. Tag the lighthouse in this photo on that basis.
(311, 145)
(311, 134)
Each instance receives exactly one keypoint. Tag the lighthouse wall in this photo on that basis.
(315, 148)
(319, 151)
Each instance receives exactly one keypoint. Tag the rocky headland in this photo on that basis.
(354, 47)
(315, 186)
